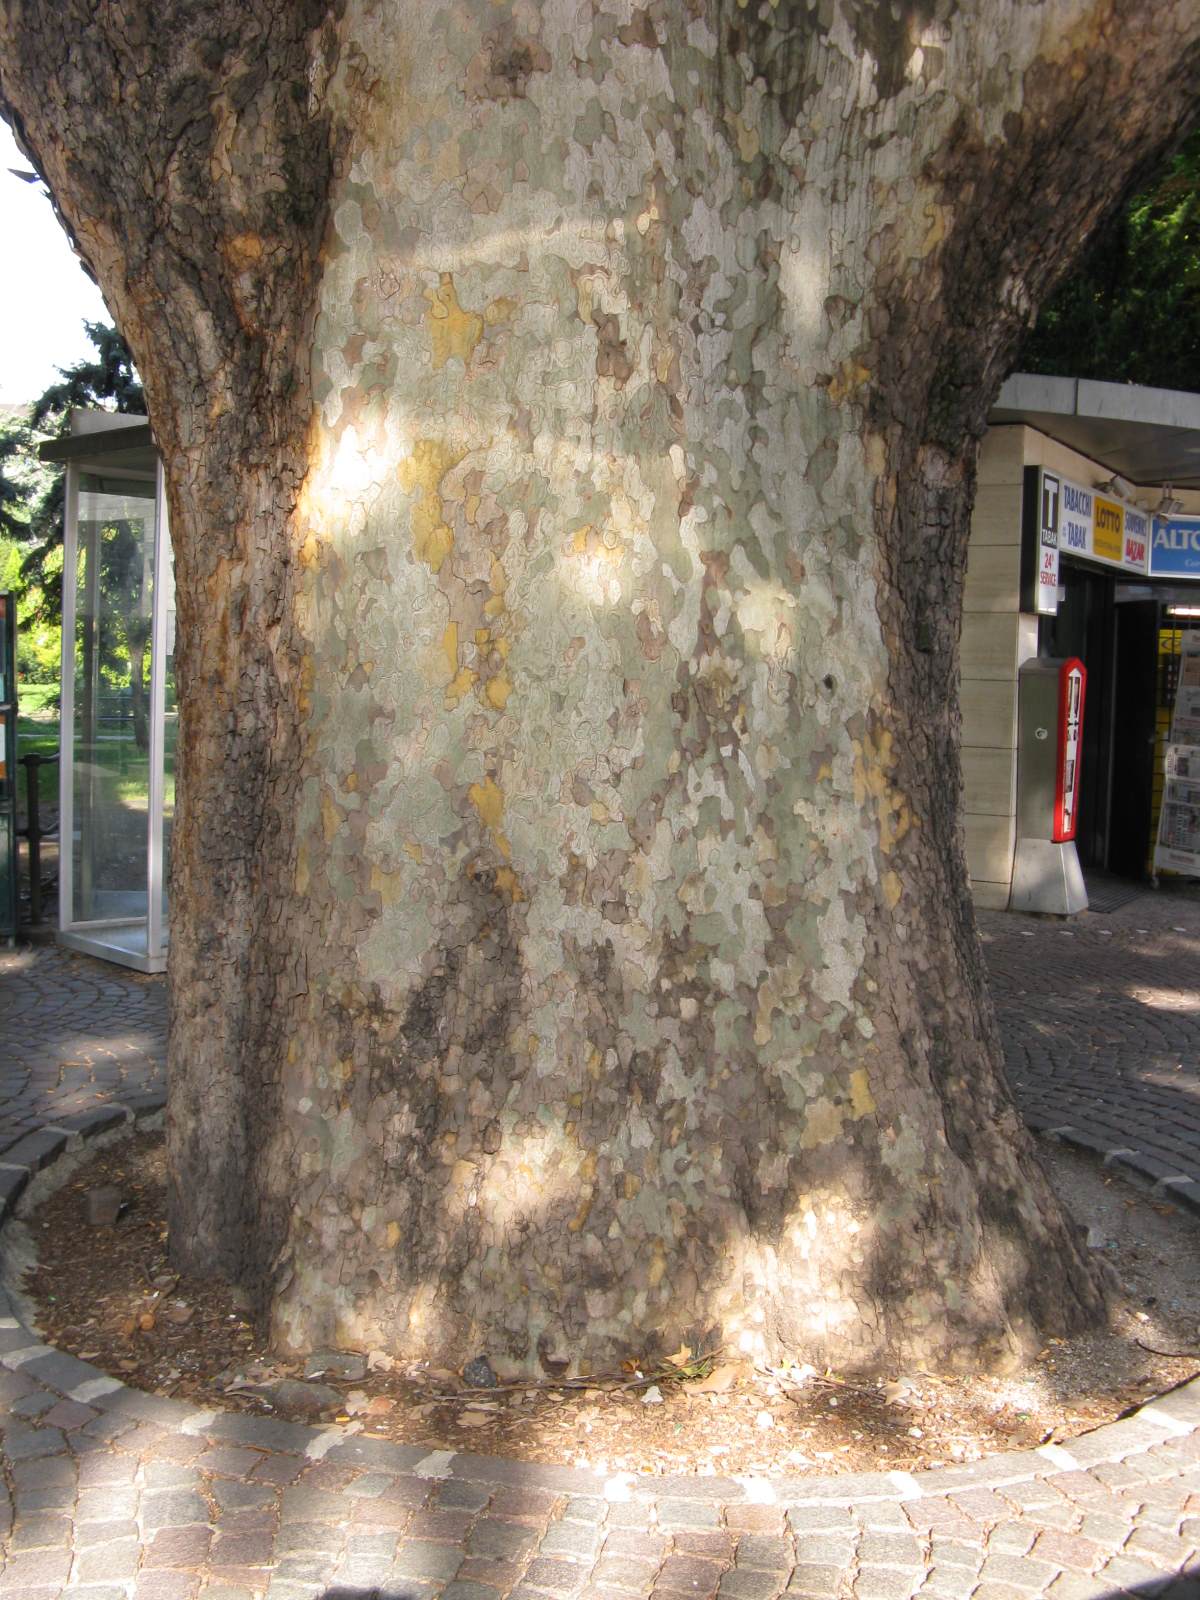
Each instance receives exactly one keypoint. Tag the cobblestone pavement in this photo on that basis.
(1101, 1025)
(114, 1495)
(74, 1034)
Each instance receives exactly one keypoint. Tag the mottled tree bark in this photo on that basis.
(570, 412)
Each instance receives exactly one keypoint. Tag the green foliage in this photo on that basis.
(1131, 310)
(31, 511)
(14, 518)
(110, 382)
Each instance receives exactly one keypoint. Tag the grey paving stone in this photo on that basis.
(819, 1519)
(27, 1444)
(813, 1582)
(1023, 1572)
(421, 1558)
(589, 1508)
(949, 1583)
(36, 1150)
(44, 1530)
(62, 1372)
(890, 1550)
(750, 1583)
(824, 1549)
(508, 1541)
(460, 1496)
(172, 1508)
(886, 1583)
(576, 1540)
(118, 1559)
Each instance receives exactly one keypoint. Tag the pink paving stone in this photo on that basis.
(178, 1547)
(328, 1475)
(1031, 1496)
(238, 1577)
(630, 1514)
(243, 1549)
(177, 1447)
(710, 1544)
(640, 1542)
(939, 1516)
(1163, 1549)
(1077, 1486)
(164, 1585)
(690, 1574)
(982, 1504)
(69, 1414)
(502, 1575)
(450, 1526)
(755, 1519)
(1069, 1550)
(521, 1505)
(380, 1514)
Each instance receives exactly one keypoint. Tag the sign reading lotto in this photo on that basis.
(1098, 529)
(1175, 548)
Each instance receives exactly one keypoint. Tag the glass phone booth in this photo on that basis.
(116, 770)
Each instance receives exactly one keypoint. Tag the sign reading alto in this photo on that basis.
(1175, 548)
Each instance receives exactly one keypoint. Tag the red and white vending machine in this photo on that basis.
(1046, 872)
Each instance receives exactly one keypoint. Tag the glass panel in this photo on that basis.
(111, 734)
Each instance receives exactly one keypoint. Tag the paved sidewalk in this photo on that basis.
(113, 1495)
(1101, 1025)
(74, 1034)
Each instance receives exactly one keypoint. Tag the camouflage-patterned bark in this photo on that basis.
(571, 946)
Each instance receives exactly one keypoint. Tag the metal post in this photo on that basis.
(33, 764)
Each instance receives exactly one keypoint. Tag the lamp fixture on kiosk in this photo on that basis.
(1116, 485)
(1168, 505)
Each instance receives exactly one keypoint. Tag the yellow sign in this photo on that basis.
(1108, 539)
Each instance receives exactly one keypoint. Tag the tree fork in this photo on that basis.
(570, 415)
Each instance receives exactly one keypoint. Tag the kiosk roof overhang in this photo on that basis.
(125, 446)
(1150, 436)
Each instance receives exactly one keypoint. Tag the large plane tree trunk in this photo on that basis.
(570, 412)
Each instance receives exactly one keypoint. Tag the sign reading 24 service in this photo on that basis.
(1175, 548)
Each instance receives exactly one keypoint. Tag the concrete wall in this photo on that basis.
(996, 638)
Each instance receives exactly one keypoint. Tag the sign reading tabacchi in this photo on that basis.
(1096, 528)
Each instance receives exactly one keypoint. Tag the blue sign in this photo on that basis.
(1175, 548)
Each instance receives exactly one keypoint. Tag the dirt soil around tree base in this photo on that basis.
(109, 1296)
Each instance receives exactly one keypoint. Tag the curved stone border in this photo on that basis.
(1164, 1181)
(1164, 1420)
